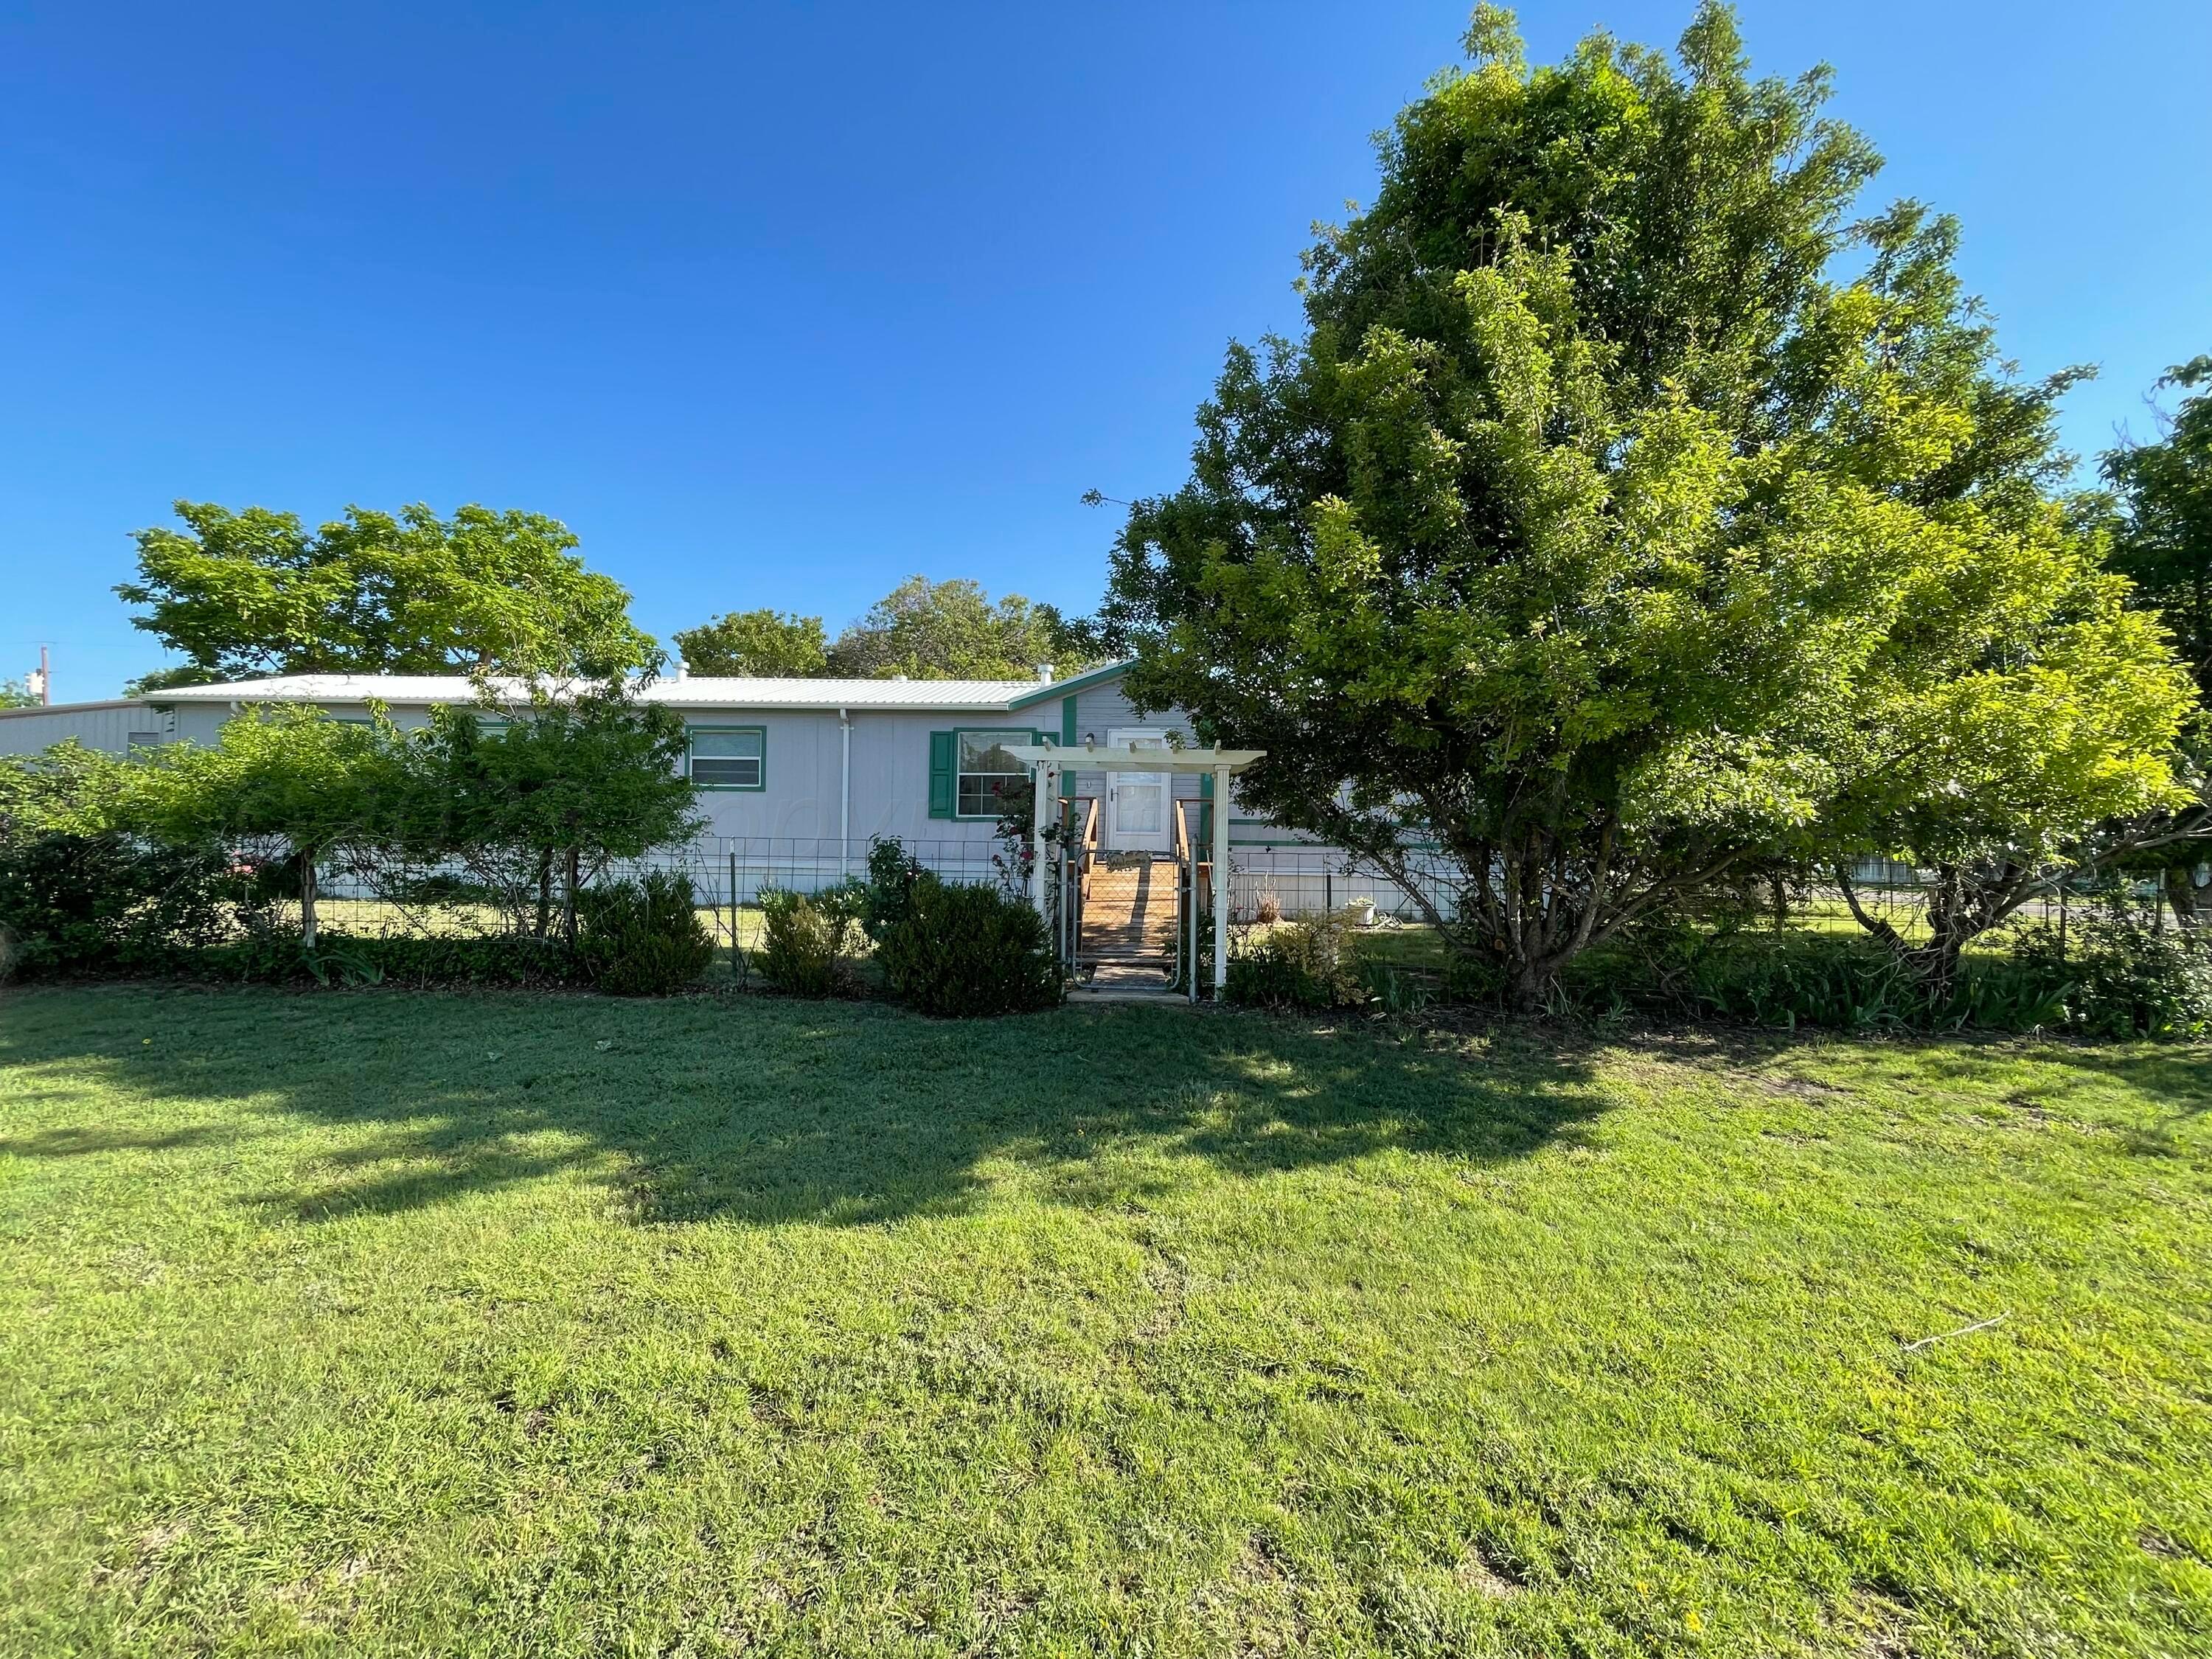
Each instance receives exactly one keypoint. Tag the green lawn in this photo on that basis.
(386, 1323)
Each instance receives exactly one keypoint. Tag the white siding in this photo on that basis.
(106, 726)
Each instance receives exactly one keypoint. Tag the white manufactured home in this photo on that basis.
(797, 777)
(819, 762)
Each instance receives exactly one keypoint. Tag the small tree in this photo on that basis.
(317, 788)
(564, 785)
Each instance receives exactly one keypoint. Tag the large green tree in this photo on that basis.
(947, 630)
(1630, 517)
(254, 592)
(926, 630)
(764, 643)
(2162, 524)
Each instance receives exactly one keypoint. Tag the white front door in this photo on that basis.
(1137, 802)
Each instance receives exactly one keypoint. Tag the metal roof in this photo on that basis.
(696, 691)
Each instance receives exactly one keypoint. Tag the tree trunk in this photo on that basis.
(544, 891)
(307, 898)
(2181, 895)
(568, 900)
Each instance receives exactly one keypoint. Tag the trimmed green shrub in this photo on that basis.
(801, 944)
(642, 938)
(108, 902)
(962, 950)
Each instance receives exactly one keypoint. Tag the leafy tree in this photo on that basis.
(954, 631)
(241, 594)
(290, 776)
(2162, 524)
(1601, 535)
(16, 693)
(2158, 512)
(556, 790)
(756, 643)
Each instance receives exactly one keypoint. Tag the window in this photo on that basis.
(987, 771)
(138, 741)
(729, 756)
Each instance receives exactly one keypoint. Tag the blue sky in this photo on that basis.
(776, 304)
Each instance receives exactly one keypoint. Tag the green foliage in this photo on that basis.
(107, 903)
(926, 630)
(892, 873)
(534, 807)
(963, 950)
(283, 777)
(766, 643)
(255, 593)
(69, 788)
(1391, 989)
(2122, 979)
(954, 631)
(803, 944)
(2162, 535)
(17, 694)
(1629, 519)
(278, 955)
(643, 937)
(1307, 964)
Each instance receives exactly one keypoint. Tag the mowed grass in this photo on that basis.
(388, 1324)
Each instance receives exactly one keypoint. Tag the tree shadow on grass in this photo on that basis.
(78, 1142)
(768, 1111)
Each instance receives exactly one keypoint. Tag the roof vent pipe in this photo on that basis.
(682, 671)
(1044, 673)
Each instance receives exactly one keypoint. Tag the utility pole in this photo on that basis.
(45, 679)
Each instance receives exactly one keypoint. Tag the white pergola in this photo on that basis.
(1049, 763)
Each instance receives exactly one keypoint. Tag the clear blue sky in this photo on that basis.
(776, 304)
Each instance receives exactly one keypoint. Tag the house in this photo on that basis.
(818, 766)
(796, 777)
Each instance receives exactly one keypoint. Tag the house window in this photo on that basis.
(987, 771)
(138, 741)
(729, 757)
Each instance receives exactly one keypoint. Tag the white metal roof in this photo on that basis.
(693, 692)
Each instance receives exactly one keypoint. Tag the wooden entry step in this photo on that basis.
(1130, 914)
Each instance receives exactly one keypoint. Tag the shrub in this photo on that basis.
(892, 873)
(2118, 978)
(107, 903)
(963, 950)
(801, 943)
(642, 938)
(1300, 964)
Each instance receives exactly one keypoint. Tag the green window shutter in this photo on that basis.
(1205, 812)
(1067, 722)
(943, 755)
